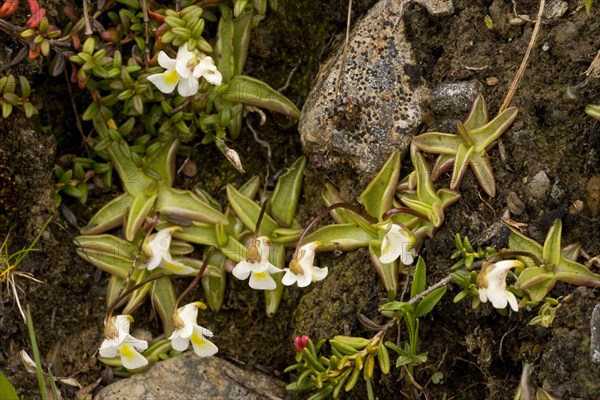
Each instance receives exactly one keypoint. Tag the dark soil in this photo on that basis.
(480, 352)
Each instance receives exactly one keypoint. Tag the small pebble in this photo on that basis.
(491, 81)
(515, 205)
(190, 169)
(593, 195)
(539, 186)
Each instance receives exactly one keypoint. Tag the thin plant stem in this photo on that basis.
(196, 280)
(521, 70)
(126, 293)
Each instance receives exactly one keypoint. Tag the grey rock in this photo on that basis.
(555, 9)
(190, 377)
(363, 112)
(453, 99)
(595, 335)
(537, 189)
(515, 205)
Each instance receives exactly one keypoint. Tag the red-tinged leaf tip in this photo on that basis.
(34, 6)
(36, 18)
(156, 16)
(76, 41)
(9, 7)
(35, 52)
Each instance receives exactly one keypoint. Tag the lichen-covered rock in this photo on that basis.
(190, 377)
(364, 111)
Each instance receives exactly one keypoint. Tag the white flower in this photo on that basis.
(157, 249)
(397, 242)
(184, 71)
(257, 266)
(187, 329)
(492, 284)
(118, 341)
(302, 269)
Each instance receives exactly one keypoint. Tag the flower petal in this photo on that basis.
(165, 82)
(130, 358)
(166, 62)
(262, 281)
(242, 270)
(512, 300)
(289, 278)
(180, 343)
(188, 86)
(108, 349)
(202, 346)
(305, 280)
(319, 273)
(177, 268)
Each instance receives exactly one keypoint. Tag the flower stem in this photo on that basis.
(126, 293)
(196, 279)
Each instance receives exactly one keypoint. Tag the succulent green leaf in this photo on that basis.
(419, 282)
(478, 115)
(115, 283)
(199, 233)
(224, 46)
(551, 250)
(185, 204)
(139, 210)
(428, 303)
(536, 282)
(247, 90)
(485, 135)
(273, 297)
(331, 195)
(234, 250)
(136, 299)
(163, 161)
(7, 391)
(286, 195)
(576, 274)
(248, 211)
(571, 252)
(519, 242)
(163, 300)
(461, 162)
(241, 39)
(109, 216)
(131, 176)
(106, 262)
(388, 273)
(108, 244)
(437, 143)
(482, 168)
(214, 283)
(377, 197)
(341, 236)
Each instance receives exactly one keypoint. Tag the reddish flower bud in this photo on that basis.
(301, 342)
